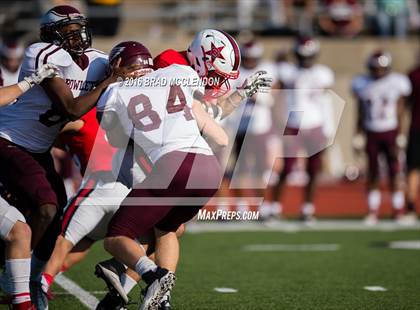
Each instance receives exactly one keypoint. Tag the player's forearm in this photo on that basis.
(83, 104)
(9, 94)
(400, 114)
(230, 103)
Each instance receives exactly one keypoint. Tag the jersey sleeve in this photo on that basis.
(325, 77)
(404, 85)
(41, 53)
(109, 100)
(357, 85)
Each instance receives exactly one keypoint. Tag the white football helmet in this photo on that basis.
(215, 54)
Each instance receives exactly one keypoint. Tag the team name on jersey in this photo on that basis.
(81, 84)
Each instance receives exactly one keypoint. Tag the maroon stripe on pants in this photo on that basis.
(74, 205)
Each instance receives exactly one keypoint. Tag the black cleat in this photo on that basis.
(111, 302)
(110, 272)
(159, 283)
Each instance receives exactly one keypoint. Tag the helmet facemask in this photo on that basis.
(55, 33)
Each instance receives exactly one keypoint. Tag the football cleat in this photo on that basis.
(371, 219)
(409, 219)
(38, 296)
(111, 301)
(159, 283)
(165, 302)
(110, 272)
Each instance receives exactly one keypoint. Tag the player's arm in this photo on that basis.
(10, 93)
(115, 133)
(227, 104)
(208, 125)
(400, 112)
(59, 93)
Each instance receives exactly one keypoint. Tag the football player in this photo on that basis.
(87, 214)
(305, 85)
(413, 147)
(151, 122)
(13, 227)
(172, 124)
(29, 127)
(11, 56)
(381, 95)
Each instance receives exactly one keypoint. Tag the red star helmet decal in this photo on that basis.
(215, 52)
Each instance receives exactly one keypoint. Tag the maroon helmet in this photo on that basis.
(52, 23)
(132, 52)
(306, 47)
(379, 59)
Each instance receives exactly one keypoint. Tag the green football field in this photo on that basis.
(281, 270)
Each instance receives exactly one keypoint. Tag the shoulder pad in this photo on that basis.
(48, 53)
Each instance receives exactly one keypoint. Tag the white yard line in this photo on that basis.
(291, 247)
(55, 293)
(295, 226)
(375, 288)
(82, 295)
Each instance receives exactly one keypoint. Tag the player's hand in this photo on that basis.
(118, 72)
(44, 72)
(257, 82)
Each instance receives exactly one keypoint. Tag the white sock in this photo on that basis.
(374, 200)
(398, 200)
(145, 264)
(37, 267)
(308, 208)
(127, 282)
(18, 271)
(265, 209)
(242, 205)
(276, 208)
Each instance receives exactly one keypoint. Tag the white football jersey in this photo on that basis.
(32, 121)
(9, 78)
(159, 116)
(379, 99)
(306, 98)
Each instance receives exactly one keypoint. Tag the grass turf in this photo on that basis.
(282, 280)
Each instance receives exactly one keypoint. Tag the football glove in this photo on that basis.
(43, 72)
(257, 82)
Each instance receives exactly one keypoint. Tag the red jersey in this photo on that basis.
(415, 98)
(170, 57)
(80, 145)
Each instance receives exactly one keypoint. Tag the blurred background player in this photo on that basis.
(308, 116)
(11, 56)
(253, 125)
(381, 97)
(413, 146)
